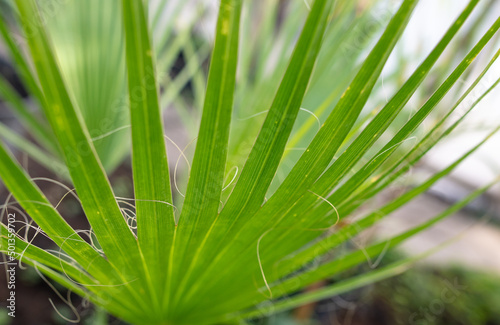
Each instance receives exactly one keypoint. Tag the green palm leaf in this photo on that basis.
(224, 256)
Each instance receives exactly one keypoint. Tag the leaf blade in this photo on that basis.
(153, 197)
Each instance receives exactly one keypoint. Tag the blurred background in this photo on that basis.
(460, 284)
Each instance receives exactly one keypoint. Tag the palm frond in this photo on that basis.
(238, 251)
